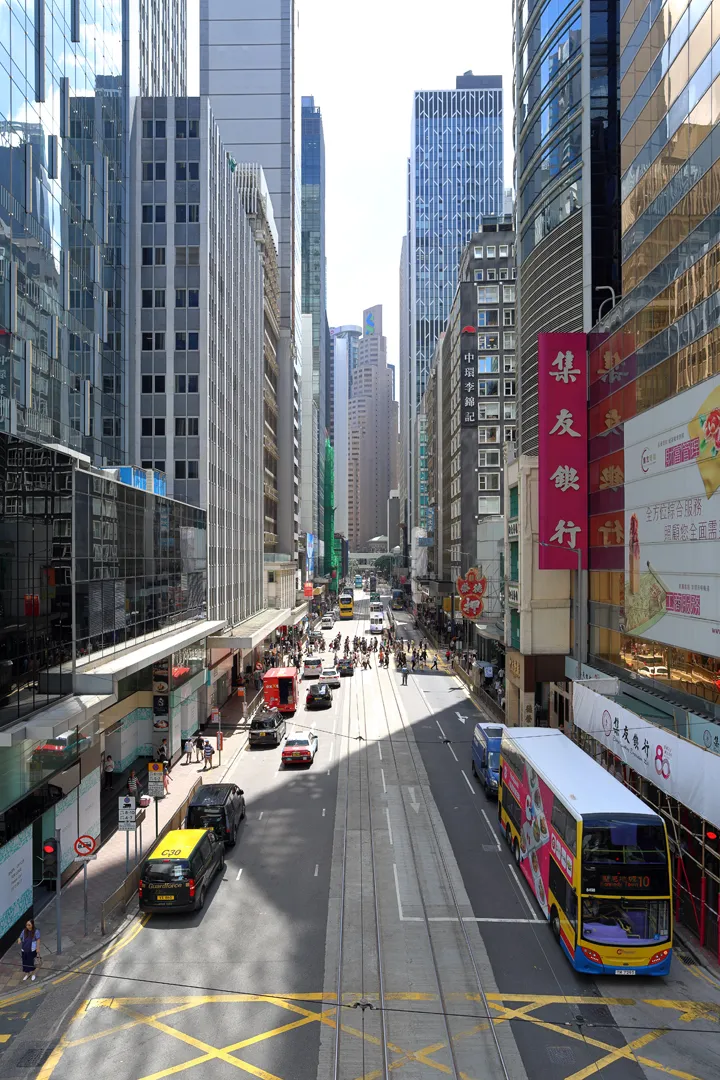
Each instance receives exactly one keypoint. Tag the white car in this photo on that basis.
(312, 667)
(327, 622)
(331, 677)
(300, 748)
(658, 671)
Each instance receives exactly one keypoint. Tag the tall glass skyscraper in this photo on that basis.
(314, 291)
(455, 177)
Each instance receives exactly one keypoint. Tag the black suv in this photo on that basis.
(220, 807)
(267, 728)
(319, 696)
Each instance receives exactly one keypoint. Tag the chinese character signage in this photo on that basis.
(469, 379)
(672, 521)
(563, 469)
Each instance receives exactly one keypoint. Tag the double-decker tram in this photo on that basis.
(594, 854)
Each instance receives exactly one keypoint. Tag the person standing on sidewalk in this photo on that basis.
(108, 770)
(188, 751)
(133, 786)
(29, 942)
(199, 747)
(404, 675)
(208, 752)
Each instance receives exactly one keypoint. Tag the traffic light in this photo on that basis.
(50, 858)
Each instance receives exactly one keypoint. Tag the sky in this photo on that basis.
(361, 62)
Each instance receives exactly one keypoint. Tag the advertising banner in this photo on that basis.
(161, 699)
(672, 521)
(681, 769)
(562, 459)
(310, 554)
(16, 878)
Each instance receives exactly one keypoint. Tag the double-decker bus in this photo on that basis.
(595, 856)
(346, 604)
(358, 581)
(397, 600)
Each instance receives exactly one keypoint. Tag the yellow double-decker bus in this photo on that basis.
(346, 604)
(594, 854)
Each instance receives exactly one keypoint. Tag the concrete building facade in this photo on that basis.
(345, 353)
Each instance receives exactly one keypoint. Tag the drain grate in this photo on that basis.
(32, 1057)
(685, 957)
(561, 1055)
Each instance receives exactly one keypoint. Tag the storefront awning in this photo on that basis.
(252, 632)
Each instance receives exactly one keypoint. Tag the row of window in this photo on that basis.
(502, 251)
(490, 365)
(184, 129)
(491, 434)
(491, 342)
(184, 212)
(184, 340)
(491, 388)
(491, 410)
(184, 384)
(184, 170)
(491, 317)
(184, 425)
(183, 298)
(505, 273)
(490, 294)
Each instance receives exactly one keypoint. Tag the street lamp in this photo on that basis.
(578, 552)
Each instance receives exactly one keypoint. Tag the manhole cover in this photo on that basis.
(561, 1055)
(32, 1057)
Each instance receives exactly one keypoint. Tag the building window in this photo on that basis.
(489, 481)
(193, 129)
(509, 339)
(509, 410)
(488, 388)
(159, 384)
(488, 294)
(152, 171)
(159, 425)
(490, 251)
(159, 298)
(491, 275)
(147, 129)
(193, 341)
(180, 129)
(487, 365)
(508, 294)
(180, 424)
(503, 275)
(146, 427)
(146, 464)
(146, 384)
(180, 341)
(478, 275)
(488, 458)
(488, 317)
(509, 364)
(181, 213)
(193, 212)
(186, 384)
(488, 435)
(160, 340)
(489, 410)
(488, 504)
(193, 425)
(180, 470)
(160, 465)
(503, 251)
(146, 343)
(111, 427)
(180, 298)
(159, 256)
(147, 256)
(509, 317)
(193, 470)
(488, 342)
(510, 434)
(147, 213)
(509, 388)
(147, 298)
(180, 174)
(193, 298)
(193, 170)
(160, 213)
(478, 253)
(193, 256)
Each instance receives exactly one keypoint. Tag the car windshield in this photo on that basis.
(166, 870)
(625, 922)
(494, 760)
(263, 723)
(614, 840)
(328, 671)
(296, 742)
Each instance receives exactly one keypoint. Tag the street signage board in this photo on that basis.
(86, 858)
(126, 813)
(84, 845)
(156, 786)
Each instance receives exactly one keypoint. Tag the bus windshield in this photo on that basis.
(615, 840)
(625, 922)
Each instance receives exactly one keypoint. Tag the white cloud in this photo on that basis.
(362, 62)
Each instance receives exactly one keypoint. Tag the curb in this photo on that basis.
(696, 953)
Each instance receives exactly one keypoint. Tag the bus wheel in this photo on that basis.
(516, 852)
(555, 923)
(508, 835)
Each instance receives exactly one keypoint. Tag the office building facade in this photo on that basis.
(372, 436)
(247, 67)
(314, 287)
(345, 357)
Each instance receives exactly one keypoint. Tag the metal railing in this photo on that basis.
(125, 892)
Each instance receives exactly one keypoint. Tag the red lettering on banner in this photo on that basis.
(563, 436)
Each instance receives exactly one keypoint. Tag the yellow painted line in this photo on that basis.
(49, 1067)
(621, 1052)
(211, 1051)
(124, 1027)
(689, 1010)
(5, 1038)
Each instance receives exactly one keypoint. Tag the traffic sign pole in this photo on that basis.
(85, 898)
(58, 875)
(127, 853)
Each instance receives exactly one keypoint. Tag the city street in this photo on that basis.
(370, 922)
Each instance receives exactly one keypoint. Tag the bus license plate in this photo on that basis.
(165, 898)
(624, 971)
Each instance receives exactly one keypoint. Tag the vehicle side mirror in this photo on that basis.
(241, 791)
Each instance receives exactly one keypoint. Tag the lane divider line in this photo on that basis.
(525, 896)
(387, 814)
(237, 878)
(468, 782)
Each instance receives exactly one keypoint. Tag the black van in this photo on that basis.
(220, 807)
(267, 728)
(179, 870)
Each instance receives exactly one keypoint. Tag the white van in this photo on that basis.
(376, 623)
(327, 622)
(312, 667)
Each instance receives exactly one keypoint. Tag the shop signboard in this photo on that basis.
(562, 467)
(679, 768)
(672, 521)
(161, 699)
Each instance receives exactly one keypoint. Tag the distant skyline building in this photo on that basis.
(455, 177)
(372, 436)
(345, 353)
(247, 67)
(314, 287)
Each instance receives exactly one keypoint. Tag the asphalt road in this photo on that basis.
(388, 837)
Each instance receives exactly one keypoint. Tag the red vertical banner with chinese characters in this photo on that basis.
(563, 451)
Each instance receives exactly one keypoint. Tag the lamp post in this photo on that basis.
(578, 634)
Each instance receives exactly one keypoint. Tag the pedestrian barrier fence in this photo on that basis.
(487, 702)
(125, 892)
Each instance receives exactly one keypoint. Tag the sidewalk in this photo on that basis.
(107, 872)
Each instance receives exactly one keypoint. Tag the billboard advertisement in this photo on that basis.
(310, 554)
(562, 464)
(672, 521)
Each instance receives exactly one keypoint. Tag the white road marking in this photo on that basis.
(397, 892)
(452, 751)
(379, 750)
(323, 813)
(413, 800)
(525, 896)
(316, 870)
(451, 918)
(238, 874)
(382, 777)
(387, 814)
(441, 730)
(330, 755)
(493, 832)
(468, 782)
(261, 814)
